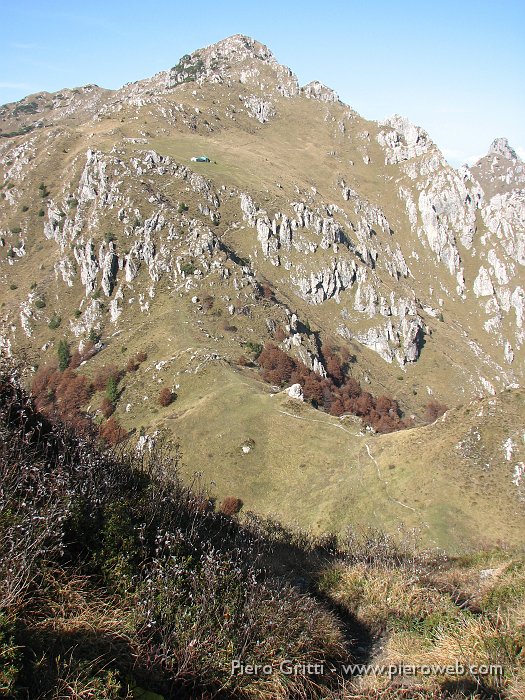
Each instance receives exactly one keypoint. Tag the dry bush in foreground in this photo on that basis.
(231, 505)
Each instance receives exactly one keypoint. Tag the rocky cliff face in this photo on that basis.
(362, 229)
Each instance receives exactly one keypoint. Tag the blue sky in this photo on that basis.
(455, 68)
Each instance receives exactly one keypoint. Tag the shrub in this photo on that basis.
(112, 432)
(434, 410)
(10, 655)
(229, 327)
(54, 322)
(103, 376)
(40, 303)
(107, 408)
(207, 303)
(141, 356)
(132, 364)
(182, 207)
(12, 287)
(166, 397)
(267, 292)
(188, 268)
(280, 334)
(93, 336)
(256, 348)
(88, 351)
(25, 208)
(231, 505)
(63, 355)
(112, 389)
(16, 230)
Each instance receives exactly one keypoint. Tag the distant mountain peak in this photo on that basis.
(501, 147)
(238, 46)
(236, 58)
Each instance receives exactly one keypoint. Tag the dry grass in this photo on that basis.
(436, 612)
(385, 598)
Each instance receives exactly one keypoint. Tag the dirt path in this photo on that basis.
(391, 498)
(316, 420)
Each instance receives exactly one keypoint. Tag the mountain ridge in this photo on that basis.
(337, 238)
(231, 48)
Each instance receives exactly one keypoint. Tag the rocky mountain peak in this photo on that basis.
(501, 171)
(318, 91)
(500, 147)
(236, 58)
(238, 47)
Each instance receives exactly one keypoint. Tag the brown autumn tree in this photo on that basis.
(72, 392)
(312, 389)
(276, 365)
(337, 408)
(364, 404)
(112, 432)
(267, 292)
(335, 394)
(334, 368)
(106, 407)
(351, 389)
(132, 364)
(166, 397)
(62, 395)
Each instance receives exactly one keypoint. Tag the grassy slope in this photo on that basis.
(314, 470)
(306, 472)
